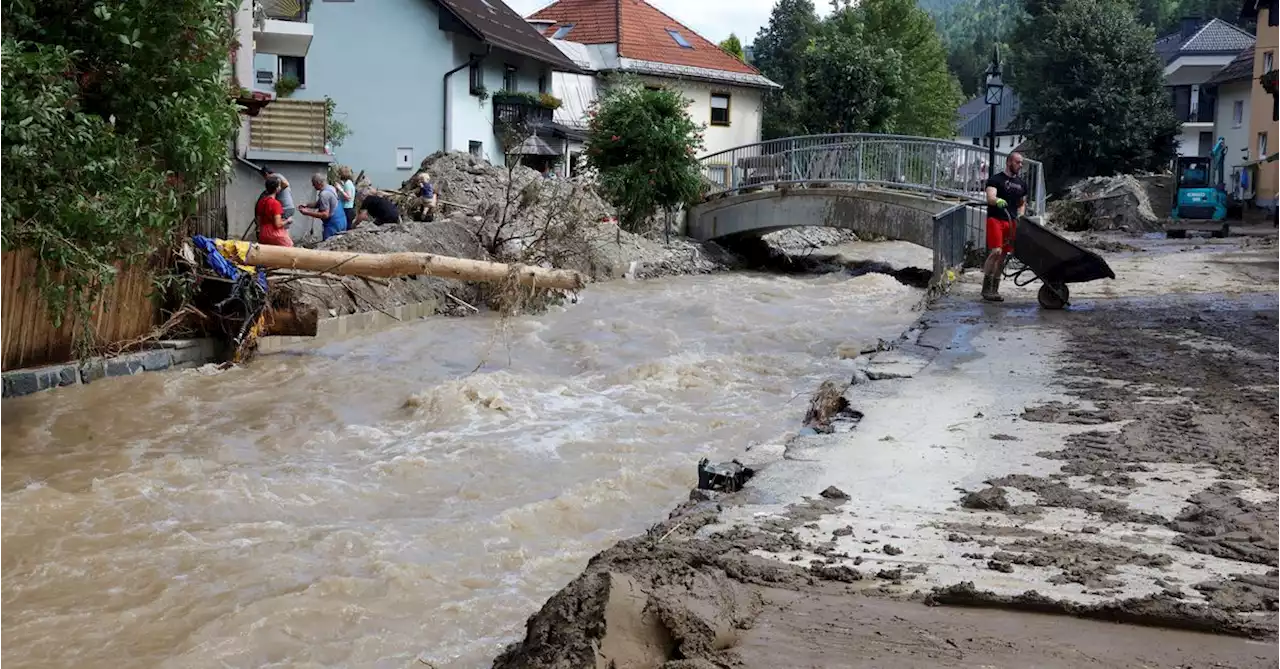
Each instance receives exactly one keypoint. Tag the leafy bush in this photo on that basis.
(644, 147)
(116, 116)
(286, 85)
(549, 101)
(524, 97)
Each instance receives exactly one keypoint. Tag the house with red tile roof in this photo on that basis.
(634, 37)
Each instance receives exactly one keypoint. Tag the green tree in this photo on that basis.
(779, 54)
(850, 84)
(733, 47)
(929, 94)
(644, 146)
(1108, 113)
(117, 115)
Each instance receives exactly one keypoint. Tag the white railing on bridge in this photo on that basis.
(933, 167)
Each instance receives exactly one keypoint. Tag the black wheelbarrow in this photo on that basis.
(1055, 261)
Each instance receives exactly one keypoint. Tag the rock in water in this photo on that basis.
(725, 476)
(833, 492)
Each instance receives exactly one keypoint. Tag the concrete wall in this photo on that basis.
(246, 186)
(1189, 139)
(889, 214)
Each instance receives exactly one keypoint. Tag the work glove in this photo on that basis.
(1001, 204)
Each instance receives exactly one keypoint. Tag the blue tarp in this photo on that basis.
(220, 264)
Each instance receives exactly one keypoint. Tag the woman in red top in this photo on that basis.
(270, 216)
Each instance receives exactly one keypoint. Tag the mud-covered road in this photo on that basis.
(1115, 462)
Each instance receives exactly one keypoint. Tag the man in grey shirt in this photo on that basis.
(327, 207)
(284, 195)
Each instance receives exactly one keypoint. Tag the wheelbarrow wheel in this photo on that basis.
(1053, 295)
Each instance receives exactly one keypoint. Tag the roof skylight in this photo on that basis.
(675, 35)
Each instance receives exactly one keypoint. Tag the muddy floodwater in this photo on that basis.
(372, 501)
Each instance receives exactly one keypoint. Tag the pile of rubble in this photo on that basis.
(1105, 203)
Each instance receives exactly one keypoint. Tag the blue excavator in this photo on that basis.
(1201, 190)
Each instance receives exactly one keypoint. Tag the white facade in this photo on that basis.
(1231, 123)
(746, 112)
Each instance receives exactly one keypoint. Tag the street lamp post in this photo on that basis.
(993, 97)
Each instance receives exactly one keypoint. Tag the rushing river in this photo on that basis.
(371, 501)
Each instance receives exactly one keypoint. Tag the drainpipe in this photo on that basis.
(444, 144)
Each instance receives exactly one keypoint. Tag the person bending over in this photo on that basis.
(382, 210)
(1006, 200)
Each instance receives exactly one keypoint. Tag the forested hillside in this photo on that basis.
(970, 27)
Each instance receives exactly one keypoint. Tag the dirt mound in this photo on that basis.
(339, 295)
(1105, 203)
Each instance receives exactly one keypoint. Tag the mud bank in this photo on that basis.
(1115, 462)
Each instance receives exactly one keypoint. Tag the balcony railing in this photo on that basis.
(1201, 113)
(520, 109)
(285, 10)
(294, 126)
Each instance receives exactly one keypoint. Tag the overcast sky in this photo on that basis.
(713, 19)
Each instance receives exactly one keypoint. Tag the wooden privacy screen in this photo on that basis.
(124, 311)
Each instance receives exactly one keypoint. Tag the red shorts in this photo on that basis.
(999, 235)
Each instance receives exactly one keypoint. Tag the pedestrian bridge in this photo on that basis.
(893, 186)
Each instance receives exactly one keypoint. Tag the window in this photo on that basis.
(293, 66)
(475, 76)
(509, 79)
(562, 31)
(1262, 146)
(1237, 113)
(542, 84)
(675, 35)
(719, 109)
(1268, 62)
(476, 149)
(977, 141)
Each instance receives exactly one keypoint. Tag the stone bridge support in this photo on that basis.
(893, 214)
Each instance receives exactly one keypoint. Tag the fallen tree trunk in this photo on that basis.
(399, 264)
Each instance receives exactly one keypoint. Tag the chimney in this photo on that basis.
(1189, 25)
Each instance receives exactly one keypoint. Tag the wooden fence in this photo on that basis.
(125, 311)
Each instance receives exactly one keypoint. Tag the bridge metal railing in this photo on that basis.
(936, 168)
(956, 231)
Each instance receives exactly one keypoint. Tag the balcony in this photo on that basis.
(525, 109)
(295, 127)
(280, 27)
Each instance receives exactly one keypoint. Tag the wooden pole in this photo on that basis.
(397, 264)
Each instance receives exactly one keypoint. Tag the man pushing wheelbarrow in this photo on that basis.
(1006, 194)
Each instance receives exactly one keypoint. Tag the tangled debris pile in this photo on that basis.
(1105, 203)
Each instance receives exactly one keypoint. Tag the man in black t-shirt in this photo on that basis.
(1006, 200)
(382, 210)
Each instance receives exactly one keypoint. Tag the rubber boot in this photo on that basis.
(986, 286)
(995, 289)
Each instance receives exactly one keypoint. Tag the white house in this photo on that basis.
(1232, 87)
(632, 36)
(407, 77)
(1193, 55)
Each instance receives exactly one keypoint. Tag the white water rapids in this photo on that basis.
(370, 501)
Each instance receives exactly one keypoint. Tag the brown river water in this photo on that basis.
(369, 502)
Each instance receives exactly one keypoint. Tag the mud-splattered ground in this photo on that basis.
(1118, 464)
(1189, 384)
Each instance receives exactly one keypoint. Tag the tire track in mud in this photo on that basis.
(1191, 383)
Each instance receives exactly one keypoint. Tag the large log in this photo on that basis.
(396, 264)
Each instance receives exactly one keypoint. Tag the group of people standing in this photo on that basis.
(335, 206)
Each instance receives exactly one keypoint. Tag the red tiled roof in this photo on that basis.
(640, 31)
